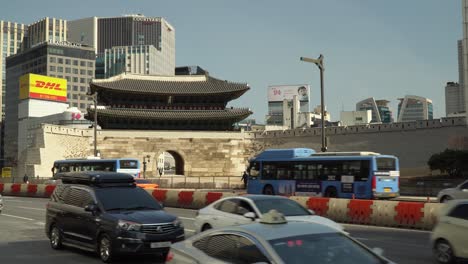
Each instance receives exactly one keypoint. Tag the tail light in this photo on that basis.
(374, 183)
(169, 257)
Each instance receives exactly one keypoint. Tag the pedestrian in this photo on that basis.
(25, 178)
(244, 179)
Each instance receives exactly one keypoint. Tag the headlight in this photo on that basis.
(177, 223)
(128, 226)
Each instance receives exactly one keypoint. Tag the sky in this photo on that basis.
(372, 48)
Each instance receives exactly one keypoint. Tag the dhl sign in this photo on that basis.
(43, 87)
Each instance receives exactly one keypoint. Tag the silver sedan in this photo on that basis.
(459, 192)
(273, 240)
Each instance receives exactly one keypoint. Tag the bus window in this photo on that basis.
(284, 171)
(312, 173)
(386, 164)
(128, 164)
(269, 171)
(254, 169)
(300, 171)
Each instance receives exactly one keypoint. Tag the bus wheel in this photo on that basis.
(331, 192)
(268, 190)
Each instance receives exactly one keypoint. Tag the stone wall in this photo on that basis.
(412, 142)
(226, 153)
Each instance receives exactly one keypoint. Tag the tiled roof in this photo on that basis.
(235, 114)
(188, 85)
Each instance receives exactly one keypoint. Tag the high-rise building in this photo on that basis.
(11, 40)
(135, 60)
(464, 50)
(46, 30)
(84, 31)
(72, 62)
(381, 112)
(454, 102)
(129, 30)
(412, 108)
(461, 90)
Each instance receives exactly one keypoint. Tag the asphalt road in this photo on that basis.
(22, 238)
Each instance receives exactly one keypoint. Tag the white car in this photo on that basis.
(450, 235)
(274, 240)
(239, 210)
(459, 192)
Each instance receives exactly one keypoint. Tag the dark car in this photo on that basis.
(107, 213)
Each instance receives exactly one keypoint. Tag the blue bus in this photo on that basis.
(125, 165)
(303, 172)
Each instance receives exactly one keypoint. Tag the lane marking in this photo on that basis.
(387, 228)
(361, 238)
(190, 230)
(19, 217)
(30, 208)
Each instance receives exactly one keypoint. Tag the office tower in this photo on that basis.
(413, 108)
(11, 39)
(454, 102)
(127, 31)
(69, 61)
(135, 60)
(47, 29)
(381, 112)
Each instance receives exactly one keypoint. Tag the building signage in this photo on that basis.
(36, 86)
(278, 93)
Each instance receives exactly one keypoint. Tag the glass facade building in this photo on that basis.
(413, 108)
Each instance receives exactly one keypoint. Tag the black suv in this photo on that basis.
(107, 213)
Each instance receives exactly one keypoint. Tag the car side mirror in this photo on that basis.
(91, 208)
(378, 251)
(312, 211)
(250, 215)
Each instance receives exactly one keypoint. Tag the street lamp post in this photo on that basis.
(144, 165)
(319, 63)
(94, 95)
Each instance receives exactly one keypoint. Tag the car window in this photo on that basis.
(244, 207)
(460, 211)
(59, 194)
(126, 198)
(228, 206)
(248, 252)
(78, 197)
(322, 248)
(284, 206)
(231, 248)
(222, 247)
(464, 185)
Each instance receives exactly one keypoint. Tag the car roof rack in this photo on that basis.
(97, 178)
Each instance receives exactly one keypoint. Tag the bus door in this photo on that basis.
(385, 180)
(253, 180)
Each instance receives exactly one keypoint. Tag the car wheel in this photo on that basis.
(331, 192)
(446, 198)
(206, 227)
(55, 238)
(443, 252)
(105, 249)
(268, 190)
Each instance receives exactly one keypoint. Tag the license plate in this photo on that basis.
(160, 244)
(387, 189)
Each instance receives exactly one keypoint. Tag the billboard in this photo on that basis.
(42, 87)
(277, 93)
